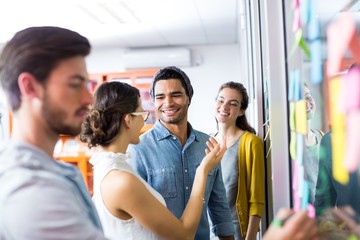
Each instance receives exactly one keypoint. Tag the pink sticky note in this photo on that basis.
(350, 90)
(311, 211)
(296, 23)
(352, 138)
(340, 34)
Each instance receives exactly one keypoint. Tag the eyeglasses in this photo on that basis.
(144, 114)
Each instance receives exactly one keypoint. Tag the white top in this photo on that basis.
(115, 228)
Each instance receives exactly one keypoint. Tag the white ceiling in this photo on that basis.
(143, 23)
(128, 23)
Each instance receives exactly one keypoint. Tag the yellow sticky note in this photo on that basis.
(338, 132)
(293, 145)
(300, 117)
(292, 115)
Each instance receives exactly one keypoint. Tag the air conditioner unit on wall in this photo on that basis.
(157, 58)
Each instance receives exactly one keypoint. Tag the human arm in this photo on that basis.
(348, 216)
(218, 208)
(298, 227)
(140, 204)
(253, 227)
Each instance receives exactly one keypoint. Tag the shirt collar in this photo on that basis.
(161, 132)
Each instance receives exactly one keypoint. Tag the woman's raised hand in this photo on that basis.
(214, 154)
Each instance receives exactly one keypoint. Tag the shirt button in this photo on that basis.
(174, 138)
(163, 170)
(187, 188)
(185, 170)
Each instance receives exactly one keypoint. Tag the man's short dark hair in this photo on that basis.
(37, 50)
(172, 72)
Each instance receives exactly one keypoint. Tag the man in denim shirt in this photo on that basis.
(168, 155)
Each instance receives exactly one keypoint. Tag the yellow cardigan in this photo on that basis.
(250, 198)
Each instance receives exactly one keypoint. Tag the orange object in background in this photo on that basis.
(71, 150)
(10, 122)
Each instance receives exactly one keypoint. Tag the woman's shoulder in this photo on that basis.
(250, 136)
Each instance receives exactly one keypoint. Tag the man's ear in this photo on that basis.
(29, 86)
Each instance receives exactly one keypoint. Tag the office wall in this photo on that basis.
(219, 64)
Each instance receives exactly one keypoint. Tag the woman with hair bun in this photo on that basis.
(129, 208)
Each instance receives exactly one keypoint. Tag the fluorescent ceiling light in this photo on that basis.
(109, 12)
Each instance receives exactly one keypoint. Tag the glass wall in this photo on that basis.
(322, 96)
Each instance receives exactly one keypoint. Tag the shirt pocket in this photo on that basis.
(163, 180)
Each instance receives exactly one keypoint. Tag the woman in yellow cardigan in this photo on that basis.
(243, 163)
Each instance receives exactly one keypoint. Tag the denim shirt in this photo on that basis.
(41, 198)
(170, 168)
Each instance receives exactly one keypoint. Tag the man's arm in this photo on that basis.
(219, 210)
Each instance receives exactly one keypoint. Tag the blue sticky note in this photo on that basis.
(305, 12)
(297, 86)
(291, 90)
(305, 197)
(316, 72)
(314, 28)
(300, 148)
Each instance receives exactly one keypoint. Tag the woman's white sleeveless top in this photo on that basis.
(115, 228)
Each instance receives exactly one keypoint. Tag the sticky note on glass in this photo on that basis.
(293, 145)
(292, 115)
(338, 43)
(352, 153)
(297, 202)
(300, 142)
(299, 41)
(305, 196)
(338, 132)
(300, 117)
(350, 90)
(296, 21)
(311, 210)
(305, 11)
(294, 92)
(316, 73)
